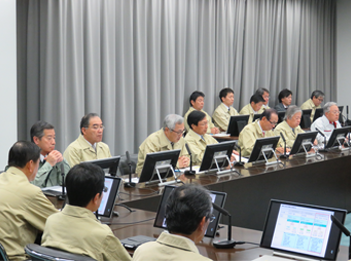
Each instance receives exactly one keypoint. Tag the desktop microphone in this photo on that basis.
(325, 139)
(284, 156)
(343, 229)
(129, 184)
(190, 171)
(63, 194)
(238, 163)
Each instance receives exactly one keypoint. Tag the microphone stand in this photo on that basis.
(239, 163)
(63, 194)
(325, 140)
(284, 156)
(343, 229)
(190, 171)
(129, 184)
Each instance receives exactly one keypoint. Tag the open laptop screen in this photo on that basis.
(109, 196)
(302, 229)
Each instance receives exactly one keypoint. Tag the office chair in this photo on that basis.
(37, 252)
(3, 255)
(123, 166)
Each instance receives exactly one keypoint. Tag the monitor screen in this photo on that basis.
(157, 159)
(281, 115)
(260, 144)
(217, 197)
(108, 163)
(256, 116)
(305, 122)
(337, 134)
(317, 114)
(302, 229)
(109, 196)
(214, 150)
(236, 124)
(341, 117)
(307, 137)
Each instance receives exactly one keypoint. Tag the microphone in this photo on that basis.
(129, 184)
(63, 194)
(238, 163)
(284, 156)
(190, 171)
(321, 133)
(343, 229)
(325, 139)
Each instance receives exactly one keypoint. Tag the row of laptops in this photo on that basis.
(237, 123)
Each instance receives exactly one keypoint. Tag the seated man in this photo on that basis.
(284, 97)
(290, 127)
(196, 101)
(49, 173)
(265, 95)
(189, 202)
(89, 145)
(23, 206)
(317, 98)
(328, 122)
(261, 128)
(224, 111)
(76, 229)
(170, 137)
(256, 102)
(197, 138)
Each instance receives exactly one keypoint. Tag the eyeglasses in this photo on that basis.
(211, 217)
(203, 124)
(96, 127)
(178, 132)
(273, 123)
(321, 100)
(335, 112)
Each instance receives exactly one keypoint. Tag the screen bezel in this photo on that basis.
(212, 227)
(110, 163)
(297, 146)
(116, 182)
(255, 155)
(233, 126)
(271, 219)
(332, 142)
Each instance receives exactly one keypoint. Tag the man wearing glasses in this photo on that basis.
(261, 128)
(89, 145)
(170, 137)
(328, 122)
(314, 103)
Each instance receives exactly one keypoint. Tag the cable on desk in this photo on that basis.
(125, 206)
(142, 195)
(131, 223)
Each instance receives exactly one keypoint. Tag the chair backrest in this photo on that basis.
(37, 252)
(3, 255)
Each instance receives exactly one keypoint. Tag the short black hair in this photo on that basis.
(22, 152)
(84, 123)
(283, 94)
(186, 207)
(268, 114)
(256, 98)
(83, 182)
(224, 92)
(261, 91)
(317, 94)
(195, 95)
(194, 117)
(38, 128)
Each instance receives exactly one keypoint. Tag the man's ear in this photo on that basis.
(36, 140)
(83, 130)
(192, 103)
(97, 198)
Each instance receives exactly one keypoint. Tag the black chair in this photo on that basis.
(123, 166)
(37, 252)
(3, 255)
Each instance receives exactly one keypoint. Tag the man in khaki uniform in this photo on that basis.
(261, 128)
(314, 103)
(197, 138)
(224, 111)
(253, 107)
(89, 145)
(196, 101)
(76, 229)
(265, 95)
(290, 127)
(189, 202)
(170, 137)
(23, 206)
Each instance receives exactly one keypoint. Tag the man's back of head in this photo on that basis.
(21, 153)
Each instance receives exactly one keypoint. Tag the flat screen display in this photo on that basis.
(109, 196)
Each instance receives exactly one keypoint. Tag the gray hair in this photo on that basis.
(291, 111)
(326, 107)
(317, 94)
(171, 120)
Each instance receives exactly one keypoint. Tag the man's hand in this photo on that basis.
(214, 130)
(54, 157)
(183, 162)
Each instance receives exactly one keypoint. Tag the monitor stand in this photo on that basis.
(304, 145)
(160, 180)
(341, 141)
(225, 171)
(265, 157)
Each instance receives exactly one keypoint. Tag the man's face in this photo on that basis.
(268, 125)
(175, 135)
(287, 100)
(229, 99)
(295, 120)
(256, 106)
(333, 114)
(317, 101)
(201, 127)
(265, 96)
(198, 104)
(95, 130)
(47, 142)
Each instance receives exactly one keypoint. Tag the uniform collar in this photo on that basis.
(177, 241)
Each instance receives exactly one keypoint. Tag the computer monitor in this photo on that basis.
(109, 196)
(216, 156)
(305, 122)
(303, 143)
(301, 229)
(256, 116)
(318, 113)
(281, 115)
(217, 197)
(108, 163)
(341, 117)
(337, 137)
(264, 149)
(162, 163)
(236, 124)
